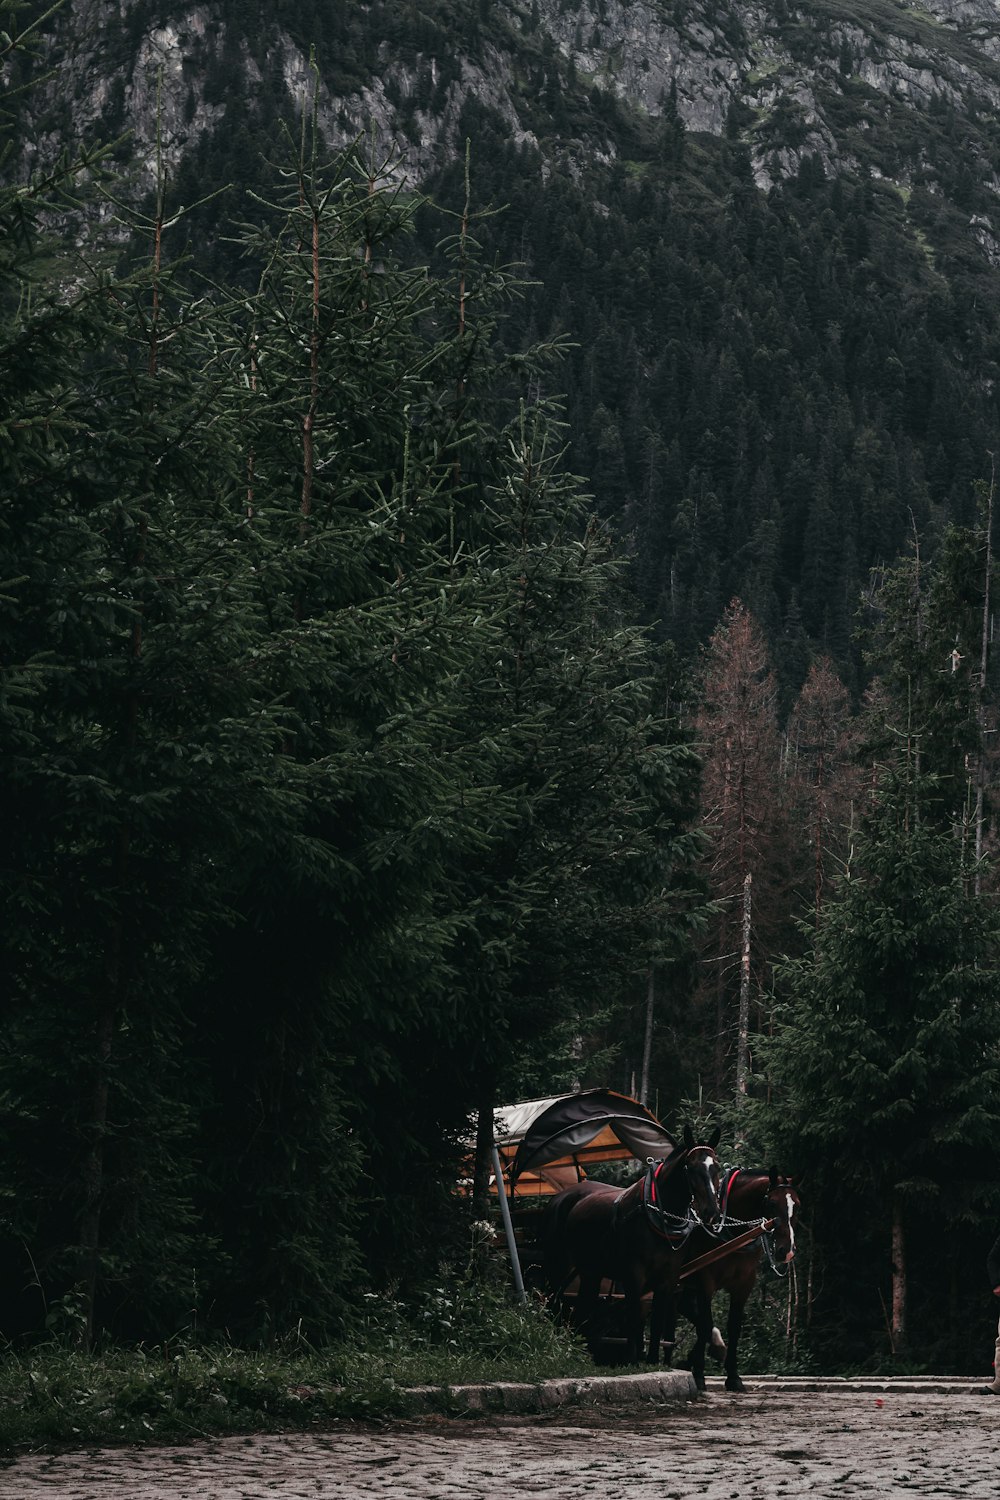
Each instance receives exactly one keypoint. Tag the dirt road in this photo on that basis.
(939, 1442)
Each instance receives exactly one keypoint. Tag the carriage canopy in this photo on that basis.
(546, 1145)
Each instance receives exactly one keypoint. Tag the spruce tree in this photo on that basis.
(924, 622)
(575, 885)
(333, 1003)
(823, 779)
(134, 742)
(884, 1071)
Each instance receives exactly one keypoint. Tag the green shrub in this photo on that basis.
(448, 1333)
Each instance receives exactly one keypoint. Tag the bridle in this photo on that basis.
(766, 1224)
(781, 1269)
(676, 1229)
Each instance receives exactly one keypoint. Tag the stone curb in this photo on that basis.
(855, 1385)
(662, 1386)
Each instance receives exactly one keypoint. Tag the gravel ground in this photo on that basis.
(833, 1444)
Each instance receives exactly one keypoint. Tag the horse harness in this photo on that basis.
(745, 1234)
(676, 1229)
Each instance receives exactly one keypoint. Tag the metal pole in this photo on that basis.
(508, 1227)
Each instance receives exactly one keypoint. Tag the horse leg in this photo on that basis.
(662, 1326)
(686, 1302)
(703, 1333)
(557, 1270)
(585, 1310)
(733, 1326)
(634, 1340)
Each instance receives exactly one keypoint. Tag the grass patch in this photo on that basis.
(446, 1335)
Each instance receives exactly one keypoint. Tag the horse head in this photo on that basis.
(782, 1204)
(701, 1169)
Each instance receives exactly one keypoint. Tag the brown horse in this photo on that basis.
(635, 1237)
(749, 1199)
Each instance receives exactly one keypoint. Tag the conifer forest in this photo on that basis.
(497, 594)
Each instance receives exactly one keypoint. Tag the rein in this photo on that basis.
(765, 1233)
(724, 1196)
(751, 1230)
(759, 1230)
(780, 1271)
(676, 1228)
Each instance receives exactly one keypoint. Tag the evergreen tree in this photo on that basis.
(925, 627)
(339, 981)
(587, 880)
(822, 775)
(884, 1072)
(133, 754)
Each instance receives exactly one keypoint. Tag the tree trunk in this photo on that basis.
(743, 1040)
(898, 1327)
(483, 1167)
(981, 692)
(647, 1045)
(810, 1274)
(92, 1174)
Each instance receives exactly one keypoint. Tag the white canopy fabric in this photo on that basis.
(545, 1145)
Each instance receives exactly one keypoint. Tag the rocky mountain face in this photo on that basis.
(840, 80)
(768, 234)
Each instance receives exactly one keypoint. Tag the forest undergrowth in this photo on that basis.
(459, 1332)
(462, 1330)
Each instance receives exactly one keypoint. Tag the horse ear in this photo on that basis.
(772, 1173)
(715, 1137)
(688, 1135)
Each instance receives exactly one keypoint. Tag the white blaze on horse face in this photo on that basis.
(791, 1227)
(707, 1160)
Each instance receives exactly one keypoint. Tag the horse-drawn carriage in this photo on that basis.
(603, 1250)
(544, 1146)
